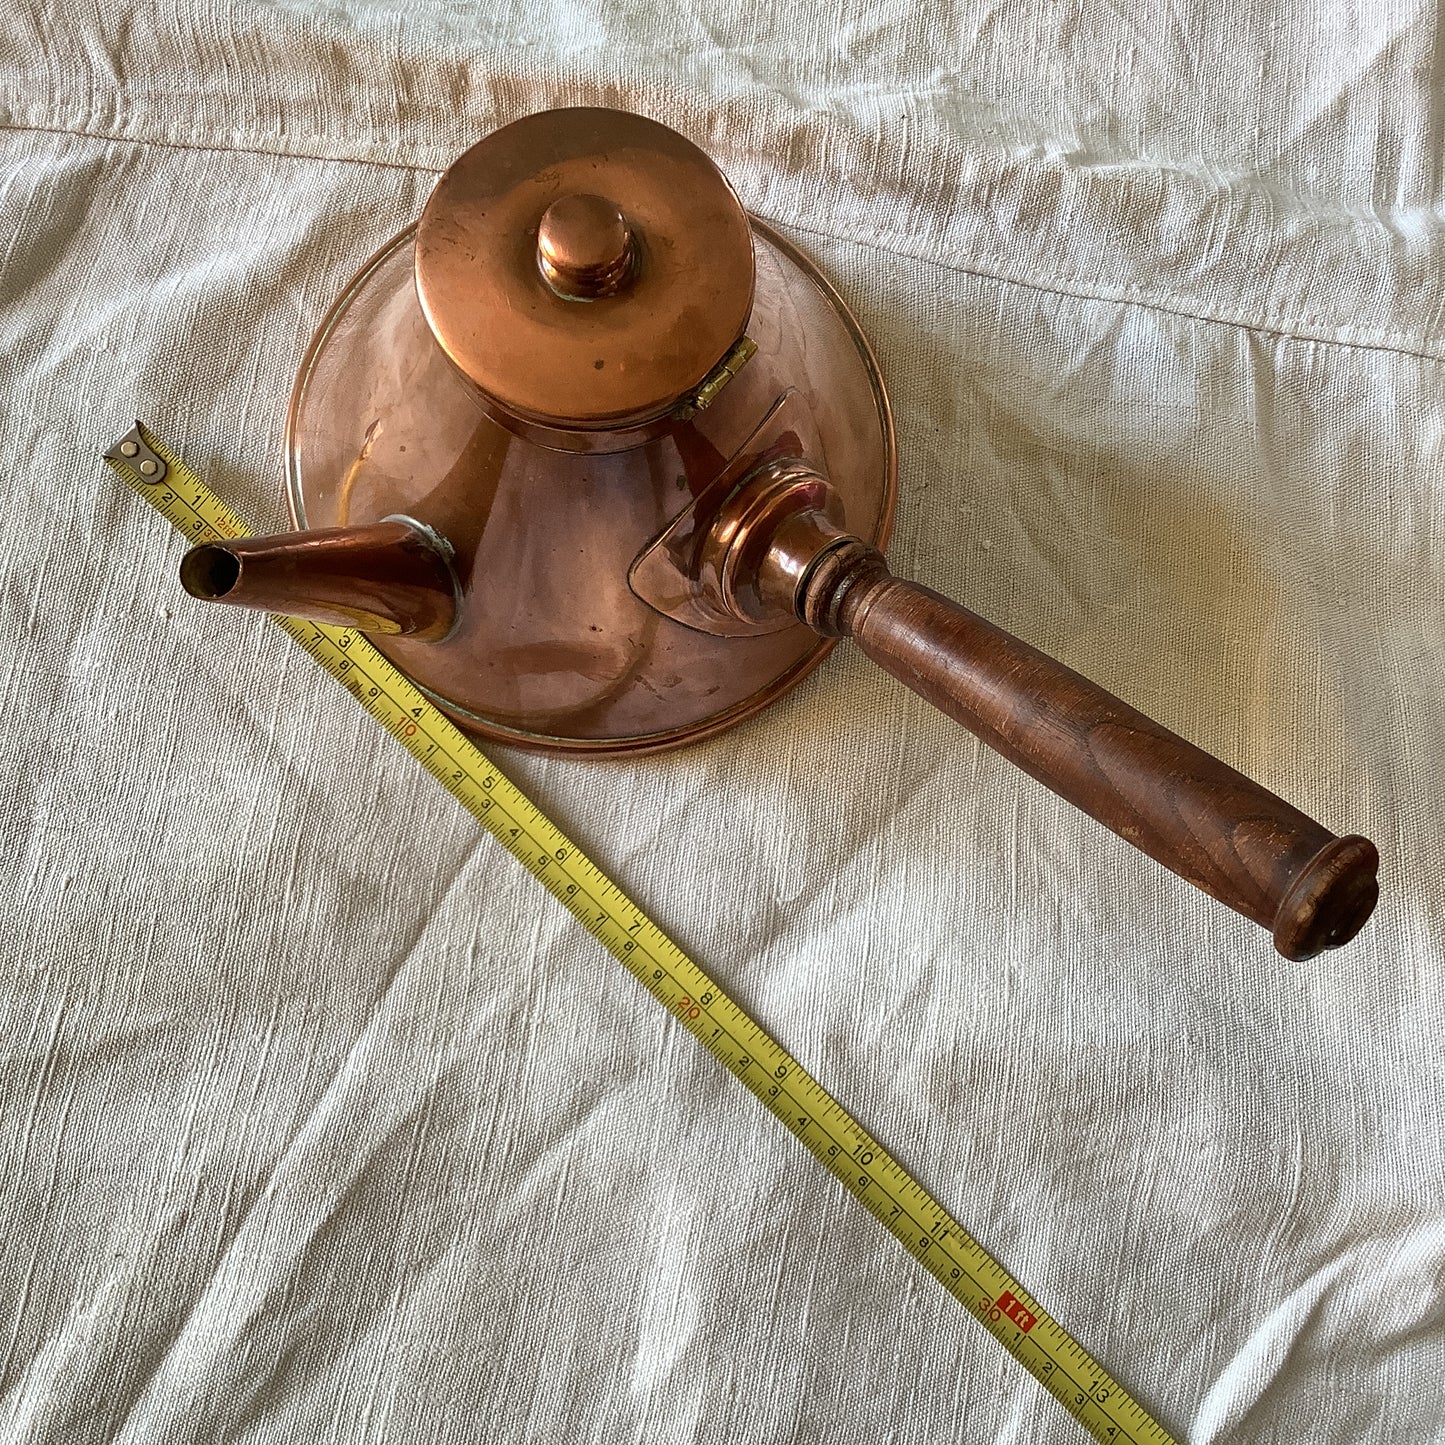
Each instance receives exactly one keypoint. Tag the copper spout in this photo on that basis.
(394, 576)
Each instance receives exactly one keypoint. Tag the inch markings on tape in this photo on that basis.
(904, 1207)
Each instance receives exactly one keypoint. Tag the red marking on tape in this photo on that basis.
(1024, 1318)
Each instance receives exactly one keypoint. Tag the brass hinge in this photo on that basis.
(707, 393)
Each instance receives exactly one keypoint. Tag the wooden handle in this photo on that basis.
(1211, 825)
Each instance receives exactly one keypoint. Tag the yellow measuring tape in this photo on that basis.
(903, 1206)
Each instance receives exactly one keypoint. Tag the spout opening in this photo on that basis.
(210, 572)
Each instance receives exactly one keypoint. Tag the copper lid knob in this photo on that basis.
(585, 249)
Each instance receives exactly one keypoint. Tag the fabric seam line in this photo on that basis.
(1262, 328)
(239, 150)
(1027, 283)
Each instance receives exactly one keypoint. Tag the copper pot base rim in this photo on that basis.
(636, 744)
(662, 742)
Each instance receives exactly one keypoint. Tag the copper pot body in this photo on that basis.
(551, 648)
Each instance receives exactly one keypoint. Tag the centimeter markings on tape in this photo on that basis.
(904, 1207)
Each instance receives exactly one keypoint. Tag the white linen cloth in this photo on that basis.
(321, 1122)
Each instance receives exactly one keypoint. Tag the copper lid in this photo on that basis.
(585, 269)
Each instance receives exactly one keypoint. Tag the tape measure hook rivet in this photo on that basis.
(139, 456)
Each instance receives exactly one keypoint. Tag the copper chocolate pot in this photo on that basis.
(607, 466)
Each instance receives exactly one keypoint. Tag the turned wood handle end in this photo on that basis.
(1212, 825)
(1330, 900)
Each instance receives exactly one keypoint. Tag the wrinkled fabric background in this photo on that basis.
(321, 1122)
